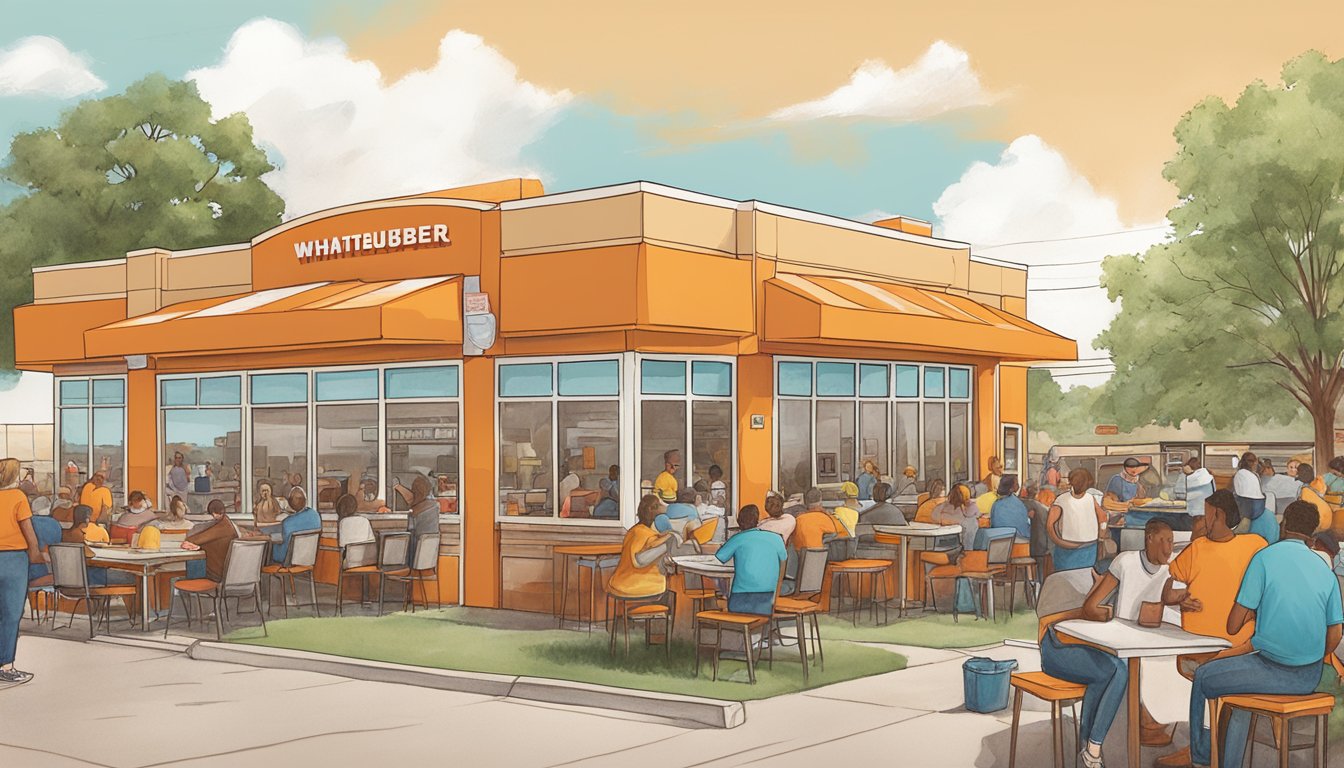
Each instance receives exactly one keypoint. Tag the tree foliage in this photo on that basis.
(143, 168)
(1239, 315)
(1068, 416)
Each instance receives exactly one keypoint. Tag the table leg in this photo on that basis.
(1132, 713)
(564, 588)
(144, 598)
(905, 553)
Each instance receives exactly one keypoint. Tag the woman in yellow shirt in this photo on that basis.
(637, 574)
(937, 495)
(18, 548)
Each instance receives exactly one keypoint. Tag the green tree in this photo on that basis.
(1066, 416)
(143, 168)
(1239, 315)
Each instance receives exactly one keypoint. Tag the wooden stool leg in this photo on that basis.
(751, 663)
(1057, 732)
(1249, 753)
(1322, 735)
(1012, 738)
(802, 643)
(1281, 727)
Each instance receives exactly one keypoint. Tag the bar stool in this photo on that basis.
(648, 609)
(860, 568)
(1058, 693)
(1281, 710)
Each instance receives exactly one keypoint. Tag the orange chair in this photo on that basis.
(719, 621)
(804, 605)
(622, 610)
(1281, 710)
(980, 566)
(1058, 694)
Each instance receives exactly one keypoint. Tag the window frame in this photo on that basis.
(58, 468)
(892, 399)
(1004, 429)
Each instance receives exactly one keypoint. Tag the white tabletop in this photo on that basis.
(150, 556)
(707, 565)
(927, 530)
(1127, 640)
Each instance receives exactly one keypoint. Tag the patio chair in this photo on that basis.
(42, 597)
(299, 561)
(747, 623)
(392, 549)
(70, 580)
(977, 566)
(805, 604)
(242, 578)
(424, 569)
(646, 610)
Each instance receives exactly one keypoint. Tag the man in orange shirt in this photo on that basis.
(97, 496)
(814, 523)
(1212, 567)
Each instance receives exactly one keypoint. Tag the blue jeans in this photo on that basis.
(1104, 675)
(760, 603)
(13, 591)
(102, 577)
(1249, 673)
(196, 569)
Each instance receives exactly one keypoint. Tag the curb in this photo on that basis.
(676, 709)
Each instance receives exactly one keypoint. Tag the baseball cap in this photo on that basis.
(1132, 462)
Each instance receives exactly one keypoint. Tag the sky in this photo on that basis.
(1036, 131)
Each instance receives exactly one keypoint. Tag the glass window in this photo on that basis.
(178, 392)
(958, 441)
(835, 442)
(712, 379)
(907, 451)
(794, 429)
(275, 388)
(1012, 448)
(109, 392)
(589, 377)
(795, 379)
(662, 428)
(959, 383)
(589, 445)
(222, 390)
(75, 392)
(347, 450)
(279, 450)
(109, 446)
(525, 380)
(525, 444)
(933, 381)
(347, 385)
(74, 454)
(835, 379)
(422, 439)
(907, 381)
(712, 446)
(428, 381)
(207, 440)
(873, 439)
(935, 441)
(662, 377)
(873, 381)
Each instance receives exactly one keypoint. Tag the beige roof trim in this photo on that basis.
(404, 202)
(79, 265)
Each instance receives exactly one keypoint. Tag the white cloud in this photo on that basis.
(942, 80)
(1032, 194)
(41, 65)
(340, 134)
(26, 399)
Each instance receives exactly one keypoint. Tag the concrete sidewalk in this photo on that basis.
(119, 706)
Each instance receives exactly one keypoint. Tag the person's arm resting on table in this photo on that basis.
(1093, 610)
(656, 548)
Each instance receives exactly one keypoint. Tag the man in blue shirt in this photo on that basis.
(681, 515)
(48, 530)
(305, 519)
(757, 556)
(1009, 511)
(1293, 598)
(1125, 486)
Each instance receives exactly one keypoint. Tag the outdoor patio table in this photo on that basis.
(146, 562)
(704, 565)
(580, 553)
(926, 531)
(1127, 640)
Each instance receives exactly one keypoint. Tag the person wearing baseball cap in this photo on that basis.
(1125, 487)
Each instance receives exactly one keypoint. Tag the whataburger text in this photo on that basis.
(360, 243)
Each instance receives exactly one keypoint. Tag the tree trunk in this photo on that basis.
(1323, 420)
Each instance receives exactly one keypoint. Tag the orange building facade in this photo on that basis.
(537, 357)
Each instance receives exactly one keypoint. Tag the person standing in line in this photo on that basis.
(179, 480)
(665, 485)
(18, 549)
(868, 478)
(1251, 498)
(1075, 524)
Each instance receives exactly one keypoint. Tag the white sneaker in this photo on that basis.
(12, 677)
(1089, 761)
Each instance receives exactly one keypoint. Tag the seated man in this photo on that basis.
(1009, 511)
(48, 531)
(815, 522)
(305, 519)
(85, 532)
(883, 512)
(214, 538)
(776, 520)
(1293, 598)
(681, 516)
(1134, 578)
(756, 556)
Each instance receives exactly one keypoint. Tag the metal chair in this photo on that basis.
(718, 621)
(70, 580)
(242, 578)
(393, 548)
(299, 560)
(622, 610)
(804, 605)
(424, 569)
(977, 565)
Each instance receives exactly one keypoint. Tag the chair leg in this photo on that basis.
(1281, 726)
(611, 624)
(1057, 731)
(340, 593)
(1322, 734)
(816, 633)
(802, 643)
(1012, 737)
(256, 595)
(751, 664)
(219, 616)
(718, 649)
(312, 592)
(382, 582)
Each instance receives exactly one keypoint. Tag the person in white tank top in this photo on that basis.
(1075, 524)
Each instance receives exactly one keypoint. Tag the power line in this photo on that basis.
(1074, 237)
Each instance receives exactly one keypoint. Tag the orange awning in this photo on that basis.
(420, 310)
(843, 311)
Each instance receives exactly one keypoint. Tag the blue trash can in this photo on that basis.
(986, 683)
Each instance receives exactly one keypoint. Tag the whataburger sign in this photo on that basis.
(367, 243)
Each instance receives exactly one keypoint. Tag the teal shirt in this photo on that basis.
(756, 555)
(1295, 597)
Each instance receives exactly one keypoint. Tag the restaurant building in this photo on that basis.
(516, 346)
